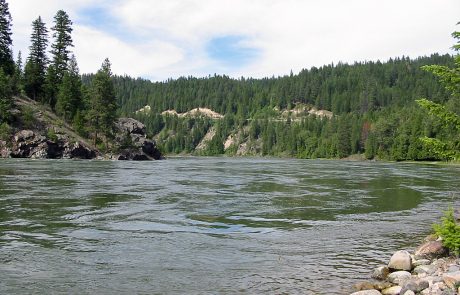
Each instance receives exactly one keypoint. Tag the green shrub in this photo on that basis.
(51, 135)
(5, 131)
(449, 231)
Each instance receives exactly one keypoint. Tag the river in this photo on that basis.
(210, 225)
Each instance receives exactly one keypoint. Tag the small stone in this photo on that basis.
(415, 285)
(395, 290)
(382, 285)
(431, 250)
(363, 286)
(425, 269)
(421, 262)
(399, 277)
(380, 273)
(400, 260)
(451, 278)
(367, 292)
(409, 292)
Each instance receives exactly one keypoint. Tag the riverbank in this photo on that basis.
(429, 270)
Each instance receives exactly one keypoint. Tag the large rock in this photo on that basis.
(431, 250)
(131, 126)
(133, 143)
(78, 151)
(399, 277)
(400, 260)
(451, 278)
(367, 292)
(380, 273)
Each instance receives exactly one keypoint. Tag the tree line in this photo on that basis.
(53, 79)
(375, 113)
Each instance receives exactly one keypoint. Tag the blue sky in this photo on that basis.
(159, 39)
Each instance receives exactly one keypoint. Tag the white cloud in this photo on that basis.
(289, 34)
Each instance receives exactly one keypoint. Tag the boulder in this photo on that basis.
(451, 278)
(400, 260)
(78, 151)
(380, 273)
(415, 286)
(367, 292)
(431, 250)
(399, 277)
(395, 290)
(382, 285)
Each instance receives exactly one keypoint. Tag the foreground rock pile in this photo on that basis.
(427, 271)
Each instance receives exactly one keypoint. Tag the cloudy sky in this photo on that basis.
(159, 39)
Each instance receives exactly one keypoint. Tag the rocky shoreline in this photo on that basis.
(130, 143)
(429, 270)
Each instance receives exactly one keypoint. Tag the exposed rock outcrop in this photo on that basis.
(29, 144)
(133, 142)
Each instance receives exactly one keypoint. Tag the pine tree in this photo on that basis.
(18, 76)
(6, 52)
(63, 40)
(61, 54)
(5, 97)
(35, 70)
(103, 105)
(69, 97)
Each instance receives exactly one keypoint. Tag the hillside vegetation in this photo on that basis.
(333, 111)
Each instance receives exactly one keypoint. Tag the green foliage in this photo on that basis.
(6, 52)
(35, 70)
(5, 132)
(102, 107)
(449, 231)
(28, 118)
(447, 148)
(51, 135)
(6, 99)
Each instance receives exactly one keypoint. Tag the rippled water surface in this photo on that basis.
(210, 225)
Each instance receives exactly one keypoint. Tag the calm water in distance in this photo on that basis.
(210, 225)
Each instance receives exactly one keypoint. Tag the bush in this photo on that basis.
(5, 132)
(449, 231)
(51, 135)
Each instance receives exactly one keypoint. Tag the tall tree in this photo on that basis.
(6, 52)
(62, 30)
(35, 70)
(69, 98)
(103, 105)
(62, 41)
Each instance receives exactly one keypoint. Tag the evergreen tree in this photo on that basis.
(62, 30)
(69, 98)
(103, 105)
(6, 52)
(5, 97)
(18, 77)
(35, 70)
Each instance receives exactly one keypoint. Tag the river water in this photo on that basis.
(210, 225)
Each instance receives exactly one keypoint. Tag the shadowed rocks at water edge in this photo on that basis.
(428, 271)
(133, 142)
(130, 142)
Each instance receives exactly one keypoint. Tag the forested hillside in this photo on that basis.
(372, 103)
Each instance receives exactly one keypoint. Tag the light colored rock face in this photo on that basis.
(395, 290)
(451, 278)
(431, 250)
(399, 277)
(380, 273)
(367, 292)
(401, 260)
